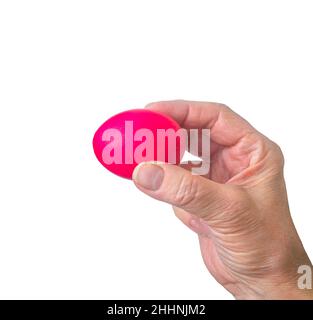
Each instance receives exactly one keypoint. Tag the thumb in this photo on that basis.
(177, 186)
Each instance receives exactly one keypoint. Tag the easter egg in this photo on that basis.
(134, 136)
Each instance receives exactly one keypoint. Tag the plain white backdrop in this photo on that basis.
(70, 229)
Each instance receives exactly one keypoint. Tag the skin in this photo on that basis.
(239, 209)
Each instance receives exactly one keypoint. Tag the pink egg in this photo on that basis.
(138, 135)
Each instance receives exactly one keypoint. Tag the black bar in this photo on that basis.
(148, 309)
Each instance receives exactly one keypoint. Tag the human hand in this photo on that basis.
(239, 210)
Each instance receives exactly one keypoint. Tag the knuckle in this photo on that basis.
(186, 191)
(277, 153)
(224, 107)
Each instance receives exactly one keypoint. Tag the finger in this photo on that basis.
(189, 165)
(197, 167)
(177, 186)
(227, 127)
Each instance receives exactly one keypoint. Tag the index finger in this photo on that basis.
(226, 127)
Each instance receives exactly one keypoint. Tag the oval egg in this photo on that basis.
(138, 135)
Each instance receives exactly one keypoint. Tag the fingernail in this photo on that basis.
(149, 175)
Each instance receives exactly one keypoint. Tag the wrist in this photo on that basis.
(288, 291)
(283, 291)
(291, 286)
(294, 281)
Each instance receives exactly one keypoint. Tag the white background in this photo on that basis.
(68, 227)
